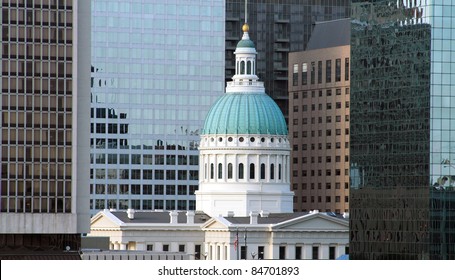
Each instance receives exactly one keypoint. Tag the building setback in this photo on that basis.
(319, 119)
(402, 149)
(45, 123)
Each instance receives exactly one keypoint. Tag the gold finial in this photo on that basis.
(245, 27)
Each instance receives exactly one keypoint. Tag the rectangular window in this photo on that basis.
(331, 253)
(313, 72)
(261, 252)
(295, 75)
(165, 247)
(319, 72)
(282, 253)
(315, 253)
(346, 69)
(149, 247)
(243, 252)
(304, 73)
(338, 70)
(328, 71)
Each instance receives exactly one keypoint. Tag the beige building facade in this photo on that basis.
(319, 120)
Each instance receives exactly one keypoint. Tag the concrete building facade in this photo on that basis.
(45, 85)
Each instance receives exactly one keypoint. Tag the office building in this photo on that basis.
(157, 66)
(277, 27)
(402, 203)
(45, 83)
(319, 119)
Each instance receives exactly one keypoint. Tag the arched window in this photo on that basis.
(279, 171)
(242, 67)
(241, 171)
(229, 170)
(272, 171)
(212, 171)
(248, 67)
(252, 69)
(220, 171)
(262, 171)
(251, 170)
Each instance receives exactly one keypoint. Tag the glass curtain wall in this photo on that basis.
(157, 67)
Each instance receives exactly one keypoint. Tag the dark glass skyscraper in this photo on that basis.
(402, 202)
(277, 27)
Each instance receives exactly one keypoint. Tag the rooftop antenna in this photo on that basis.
(246, 11)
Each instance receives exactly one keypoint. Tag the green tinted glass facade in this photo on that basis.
(402, 130)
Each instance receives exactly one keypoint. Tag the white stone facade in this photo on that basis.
(296, 236)
(262, 185)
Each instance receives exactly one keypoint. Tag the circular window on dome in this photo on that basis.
(271, 140)
(252, 139)
(262, 139)
(241, 139)
(220, 139)
(212, 139)
(279, 140)
(230, 139)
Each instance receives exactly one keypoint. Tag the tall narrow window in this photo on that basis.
(272, 171)
(304, 73)
(248, 67)
(315, 253)
(346, 69)
(328, 71)
(212, 171)
(262, 171)
(319, 72)
(279, 171)
(229, 170)
(295, 75)
(220, 171)
(241, 170)
(332, 252)
(338, 70)
(313, 66)
(251, 170)
(242, 67)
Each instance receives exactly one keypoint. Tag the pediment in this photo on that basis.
(218, 223)
(315, 223)
(102, 221)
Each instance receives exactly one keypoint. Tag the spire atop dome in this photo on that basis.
(245, 79)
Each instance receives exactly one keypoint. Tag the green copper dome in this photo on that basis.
(245, 113)
(245, 43)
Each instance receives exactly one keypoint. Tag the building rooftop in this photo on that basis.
(276, 218)
(329, 34)
(158, 217)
